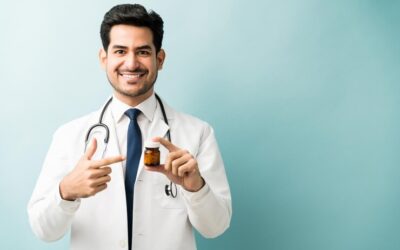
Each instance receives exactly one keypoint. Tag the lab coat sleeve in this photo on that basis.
(210, 208)
(50, 216)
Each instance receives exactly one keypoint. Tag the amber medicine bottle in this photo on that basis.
(152, 154)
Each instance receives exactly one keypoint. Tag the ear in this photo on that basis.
(103, 58)
(160, 59)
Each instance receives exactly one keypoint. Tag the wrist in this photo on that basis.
(197, 185)
(64, 194)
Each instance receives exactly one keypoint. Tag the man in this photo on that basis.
(111, 200)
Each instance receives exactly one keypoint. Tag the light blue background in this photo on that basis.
(303, 95)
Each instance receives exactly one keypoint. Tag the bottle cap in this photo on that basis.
(152, 144)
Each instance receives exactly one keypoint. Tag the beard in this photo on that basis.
(135, 93)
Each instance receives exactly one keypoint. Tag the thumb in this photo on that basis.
(91, 149)
(167, 144)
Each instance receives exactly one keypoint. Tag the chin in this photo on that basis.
(136, 93)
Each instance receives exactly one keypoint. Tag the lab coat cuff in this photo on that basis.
(196, 197)
(69, 207)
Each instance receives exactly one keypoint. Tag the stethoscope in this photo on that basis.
(171, 189)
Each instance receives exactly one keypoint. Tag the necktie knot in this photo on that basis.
(132, 114)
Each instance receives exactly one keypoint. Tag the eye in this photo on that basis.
(119, 52)
(143, 53)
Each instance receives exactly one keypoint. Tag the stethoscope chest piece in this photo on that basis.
(169, 191)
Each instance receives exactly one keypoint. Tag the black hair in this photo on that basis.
(132, 14)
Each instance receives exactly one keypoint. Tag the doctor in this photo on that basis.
(86, 192)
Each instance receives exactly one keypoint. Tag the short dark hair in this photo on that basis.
(132, 14)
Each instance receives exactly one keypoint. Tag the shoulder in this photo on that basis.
(76, 126)
(183, 119)
(68, 140)
(191, 133)
(188, 128)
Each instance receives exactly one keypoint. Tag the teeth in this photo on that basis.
(131, 76)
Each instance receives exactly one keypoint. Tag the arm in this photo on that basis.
(57, 194)
(49, 215)
(210, 208)
(204, 184)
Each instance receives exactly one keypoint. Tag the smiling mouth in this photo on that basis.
(132, 76)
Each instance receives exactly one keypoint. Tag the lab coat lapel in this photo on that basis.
(113, 145)
(117, 174)
(111, 202)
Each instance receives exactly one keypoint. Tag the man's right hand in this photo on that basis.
(89, 176)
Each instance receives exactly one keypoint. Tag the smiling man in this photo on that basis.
(100, 190)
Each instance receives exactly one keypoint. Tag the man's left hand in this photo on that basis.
(180, 167)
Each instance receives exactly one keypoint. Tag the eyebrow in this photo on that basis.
(119, 47)
(125, 47)
(144, 47)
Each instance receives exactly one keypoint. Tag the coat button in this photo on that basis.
(122, 243)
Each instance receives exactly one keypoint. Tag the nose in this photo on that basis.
(131, 61)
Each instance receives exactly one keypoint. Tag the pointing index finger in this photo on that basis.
(108, 161)
(171, 147)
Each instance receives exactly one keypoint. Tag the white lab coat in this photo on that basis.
(159, 221)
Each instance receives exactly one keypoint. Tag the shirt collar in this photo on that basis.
(147, 107)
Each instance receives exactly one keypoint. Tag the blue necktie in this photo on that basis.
(134, 151)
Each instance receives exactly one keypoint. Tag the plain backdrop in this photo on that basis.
(303, 96)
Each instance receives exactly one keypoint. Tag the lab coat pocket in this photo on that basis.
(160, 196)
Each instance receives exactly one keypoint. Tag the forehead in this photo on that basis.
(130, 36)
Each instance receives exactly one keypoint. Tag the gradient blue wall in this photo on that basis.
(303, 96)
